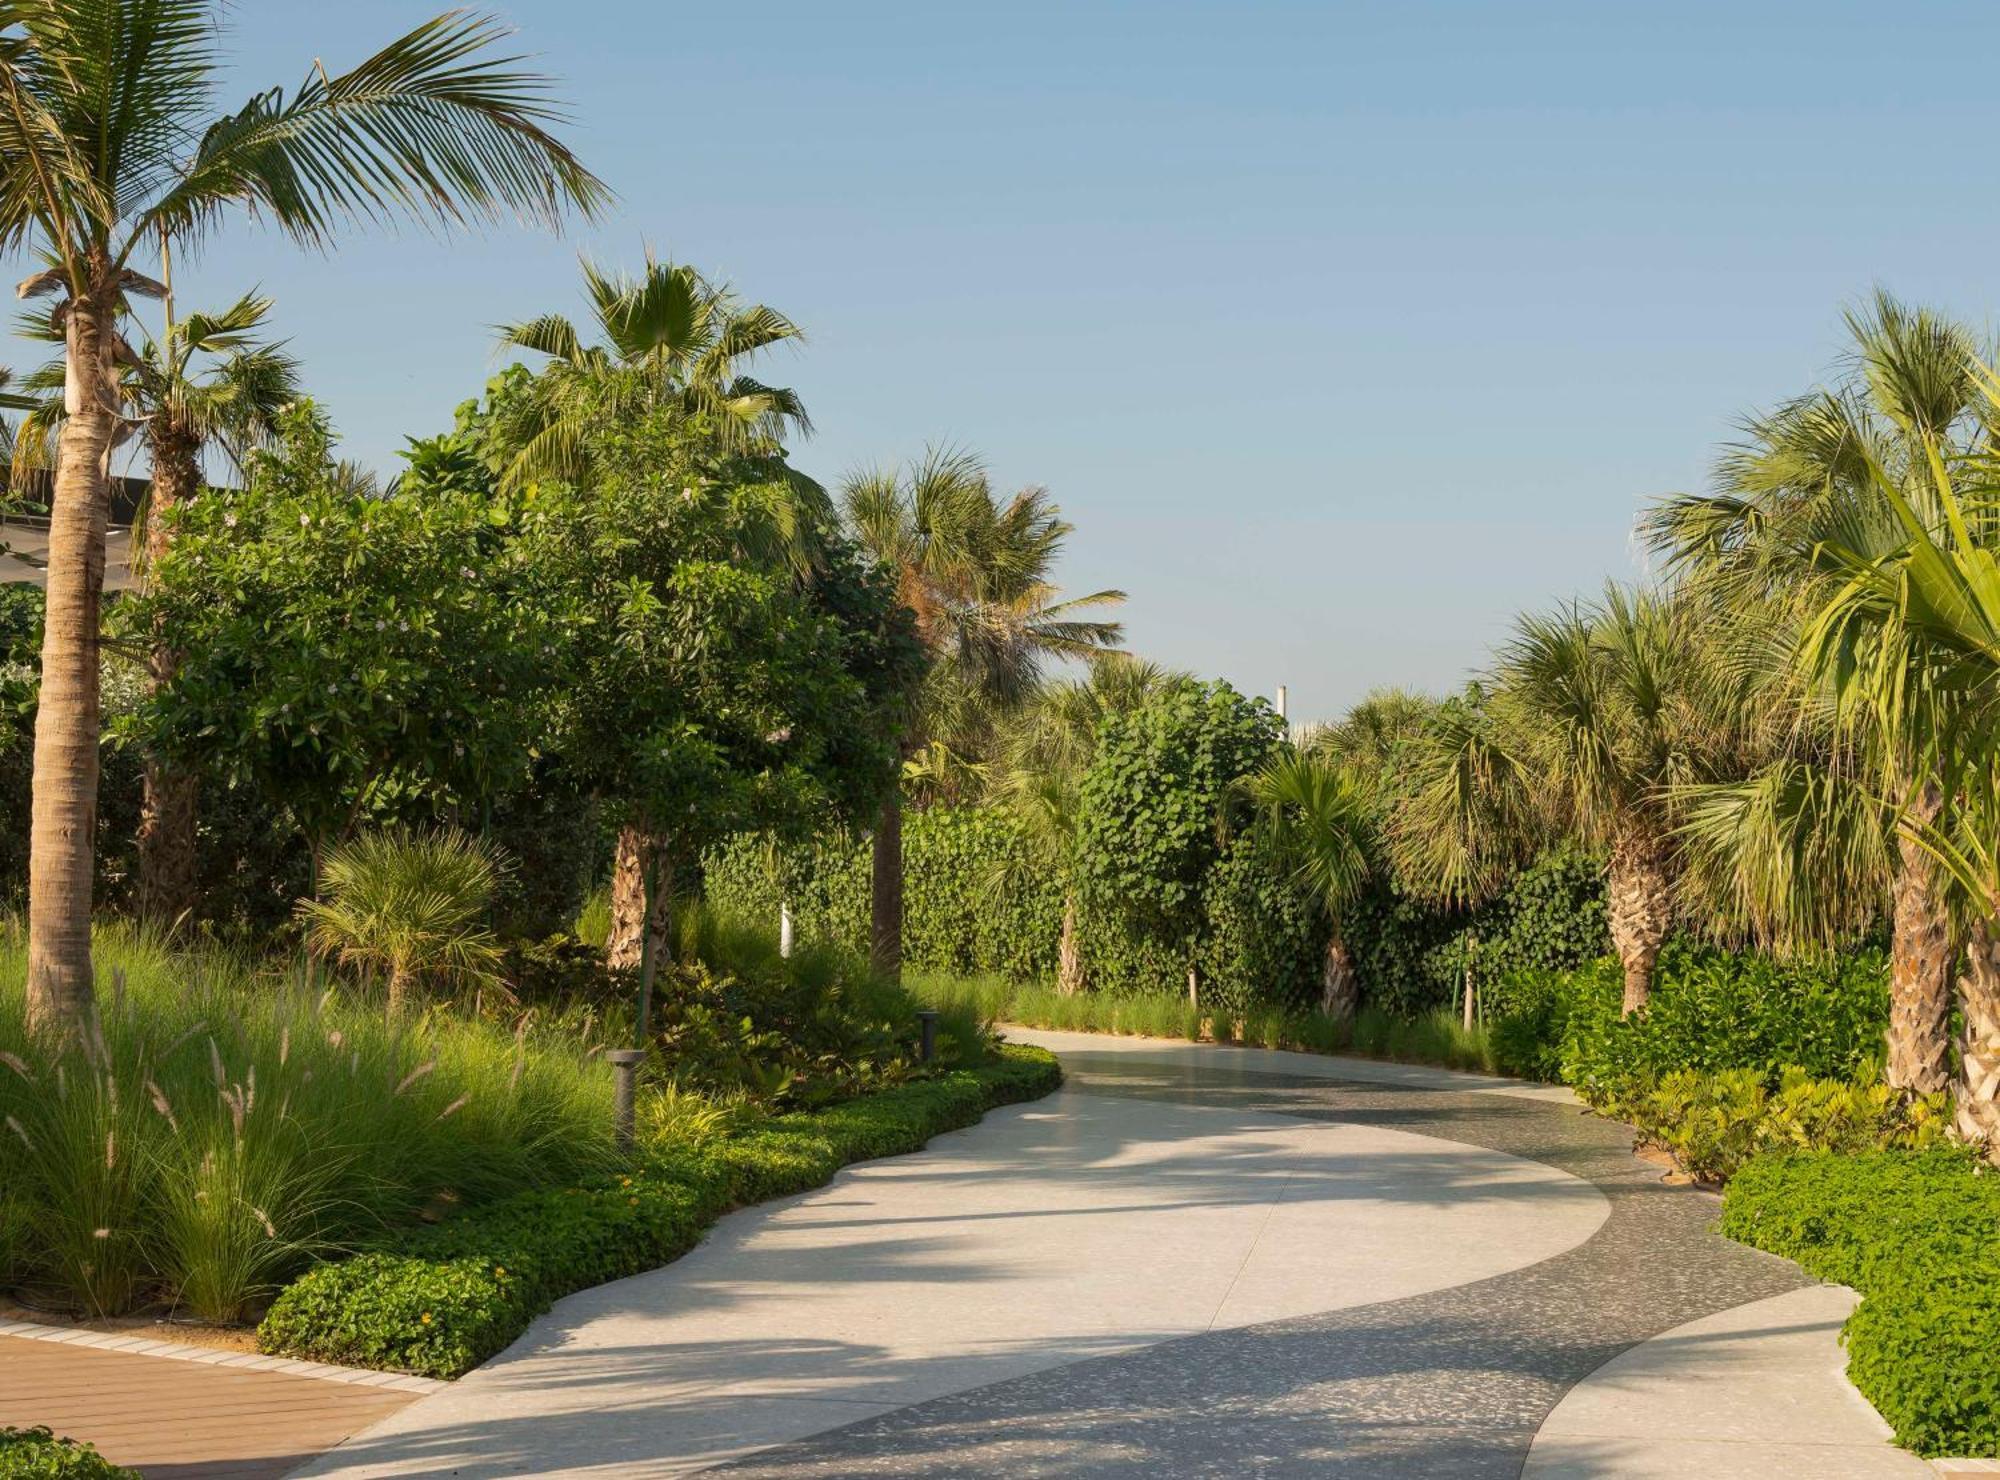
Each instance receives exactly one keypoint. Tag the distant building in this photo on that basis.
(24, 530)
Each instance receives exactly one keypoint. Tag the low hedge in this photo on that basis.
(1918, 1234)
(37, 1454)
(443, 1300)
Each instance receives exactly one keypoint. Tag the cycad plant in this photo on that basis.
(1323, 820)
(976, 572)
(410, 905)
(112, 148)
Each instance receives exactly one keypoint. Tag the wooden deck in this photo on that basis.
(183, 1420)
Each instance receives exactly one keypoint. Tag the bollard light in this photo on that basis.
(625, 1064)
(927, 1035)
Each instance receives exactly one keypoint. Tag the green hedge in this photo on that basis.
(443, 1300)
(37, 1454)
(1918, 1234)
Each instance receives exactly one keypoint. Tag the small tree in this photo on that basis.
(1160, 798)
(1323, 822)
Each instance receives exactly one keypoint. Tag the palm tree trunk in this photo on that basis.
(885, 930)
(1339, 983)
(1638, 899)
(167, 804)
(1979, 1049)
(625, 943)
(1471, 950)
(399, 988)
(1920, 961)
(63, 826)
(1069, 954)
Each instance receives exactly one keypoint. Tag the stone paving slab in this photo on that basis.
(175, 1419)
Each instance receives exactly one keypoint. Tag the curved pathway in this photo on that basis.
(1192, 1261)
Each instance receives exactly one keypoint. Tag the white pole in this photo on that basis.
(1282, 695)
(785, 930)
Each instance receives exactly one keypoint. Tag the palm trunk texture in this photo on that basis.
(1069, 954)
(1920, 961)
(1979, 1048)
(63, 822)
(167, 805)
(624, 947)
(1339, 984)
(1638, 897)
(885, 928)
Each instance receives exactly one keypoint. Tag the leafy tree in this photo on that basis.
(1162, 795)
(671, 338)
(976, 574)
(351, 656)
(109, 150)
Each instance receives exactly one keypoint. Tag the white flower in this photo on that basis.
(380, 625)
(229, 521)
(465, 573)
(304, 520)
(402, 626)
(779, 736)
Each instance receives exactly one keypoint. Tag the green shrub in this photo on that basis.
(1915, 1233)
(445, 1299)
(37, 1454)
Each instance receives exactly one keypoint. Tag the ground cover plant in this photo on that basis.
(441, 1300)
(37, 1454)
(1913, 1231)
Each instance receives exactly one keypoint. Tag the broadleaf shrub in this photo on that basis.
(440, 1301)
(1918, 1234)
(37, 1454)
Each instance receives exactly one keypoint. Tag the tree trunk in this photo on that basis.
(1979, 1049)
(1638, 899)
(657, 916)
(885, 931)
(625, 943)
(166, 835)
(399, 988)
(63, 826)
(1069, 955)
(1471, 950)
(1920, 961)
(1339, 983)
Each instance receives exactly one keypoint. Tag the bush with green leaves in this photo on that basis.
(444, 1299)
(1913, 1231)
(37, 1454)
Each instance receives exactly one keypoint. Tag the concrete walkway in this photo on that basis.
(1192, 1261)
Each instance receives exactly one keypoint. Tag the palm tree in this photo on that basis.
(407, 905)
(179, 407)
(670, 336)
(109, 152)
(1323, 819)
(976, 574)
(1049, 744)
(1803, 482)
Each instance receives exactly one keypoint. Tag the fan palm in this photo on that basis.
(976, 573)
(1803, 483)
(110, 150)
(409, 905)
(669, 336)
(1323, 820)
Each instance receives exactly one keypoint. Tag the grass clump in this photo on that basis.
(442, 1300)
(1914, 1232)
(215, 1129)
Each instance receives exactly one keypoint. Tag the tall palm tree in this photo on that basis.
(668, 336)
(1048, 745)
(1323, 819)
(976, 572)
(109, 151)
(1803, 482)
(208, 379)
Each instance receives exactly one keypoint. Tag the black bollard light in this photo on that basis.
(927, 1035)
(625, 1064)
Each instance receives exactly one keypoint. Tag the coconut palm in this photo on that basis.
(976, 573)
(209, 379)
(1802, 483)
(1323, 819)
(409, 905)
(669, 336)
(110, 149)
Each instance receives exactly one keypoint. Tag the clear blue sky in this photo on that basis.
(1341, 331)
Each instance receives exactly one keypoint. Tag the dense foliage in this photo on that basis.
(445, 1299)
(37, 1454)
(1914, 1233)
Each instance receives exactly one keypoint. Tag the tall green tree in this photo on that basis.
(111, 149)
(977, 574)
(1323, 820)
